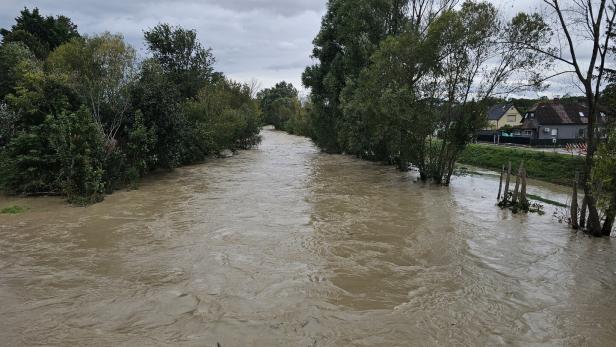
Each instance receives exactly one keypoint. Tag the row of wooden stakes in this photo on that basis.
(518, 196)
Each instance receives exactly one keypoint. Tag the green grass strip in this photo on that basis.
(545, 166)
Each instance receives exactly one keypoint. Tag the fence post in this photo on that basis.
(574, 203)
(500, 185)
(507, 182)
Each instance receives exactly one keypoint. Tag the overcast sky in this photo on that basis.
(268, 40)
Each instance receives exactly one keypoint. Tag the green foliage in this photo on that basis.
(89, 120)
(300, 122)
(545, 166)
(100, 69)
(278, 104)
(223, 116)
(181, 56)
(545, 200)
(78, 145)
(14, 57)
(40, 34)
(350, 32)
(13, 210)
(28, 164)
(139, 148)
(8, 124)
(604, 172)
(157, 97)
(408, 85)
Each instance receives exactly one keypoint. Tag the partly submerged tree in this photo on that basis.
(583, 33)
(419, 99)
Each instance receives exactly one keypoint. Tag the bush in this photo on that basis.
(78, 144)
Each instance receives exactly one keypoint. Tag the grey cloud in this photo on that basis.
(270, 40)
(248, 37)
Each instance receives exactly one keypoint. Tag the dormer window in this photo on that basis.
(531, 115)
(603, 115)
(582, 114)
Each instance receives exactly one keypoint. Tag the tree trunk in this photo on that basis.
(507, 182)
(500, 185)
(594, 224)
(574, 203)
(523, 199)
(583, 213)
(610, 216)
(516, 191)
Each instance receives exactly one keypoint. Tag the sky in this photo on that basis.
(266, 40)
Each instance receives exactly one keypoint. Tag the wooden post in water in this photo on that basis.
(583, 213)
(523, 199)
(500, 185)
(507, 182)
(574, 203)
(516, 191)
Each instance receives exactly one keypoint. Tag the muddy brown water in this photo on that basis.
(284, 246)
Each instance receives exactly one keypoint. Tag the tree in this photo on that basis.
(604, 175)
(40, 34)
(577, 23)
(421, 96)
(13, 57)
(350, 32)
(277, 103)
(79, 152)
(157, 97)
(181, 55)
(101, 69)
(476, 59)
(223, 116)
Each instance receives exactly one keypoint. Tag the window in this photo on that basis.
(554, 132)
(511, 119)
(531, 115)
(582, 133)
(582, 114)
(528, 132)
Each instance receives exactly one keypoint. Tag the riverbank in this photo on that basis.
(544, 166)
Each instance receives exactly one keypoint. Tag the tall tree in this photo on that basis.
(13, 57)
(274, 100)
(350, 32)
(582, 28)
(40, 34)
(182, 56)
(101, 68)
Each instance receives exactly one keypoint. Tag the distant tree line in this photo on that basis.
(282, 108)
(80, 116)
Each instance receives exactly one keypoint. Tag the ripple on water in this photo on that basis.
(283, 245)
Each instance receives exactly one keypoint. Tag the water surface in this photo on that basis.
(284, 246)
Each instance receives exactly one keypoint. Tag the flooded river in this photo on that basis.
(284, 246)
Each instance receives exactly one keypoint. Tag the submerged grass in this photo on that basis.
(545, 166)
(13, 210)
(547, 201)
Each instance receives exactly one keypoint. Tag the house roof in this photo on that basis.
(496, 112)
(556, 113)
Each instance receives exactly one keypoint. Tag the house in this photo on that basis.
(557, 122)
(502, 115)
